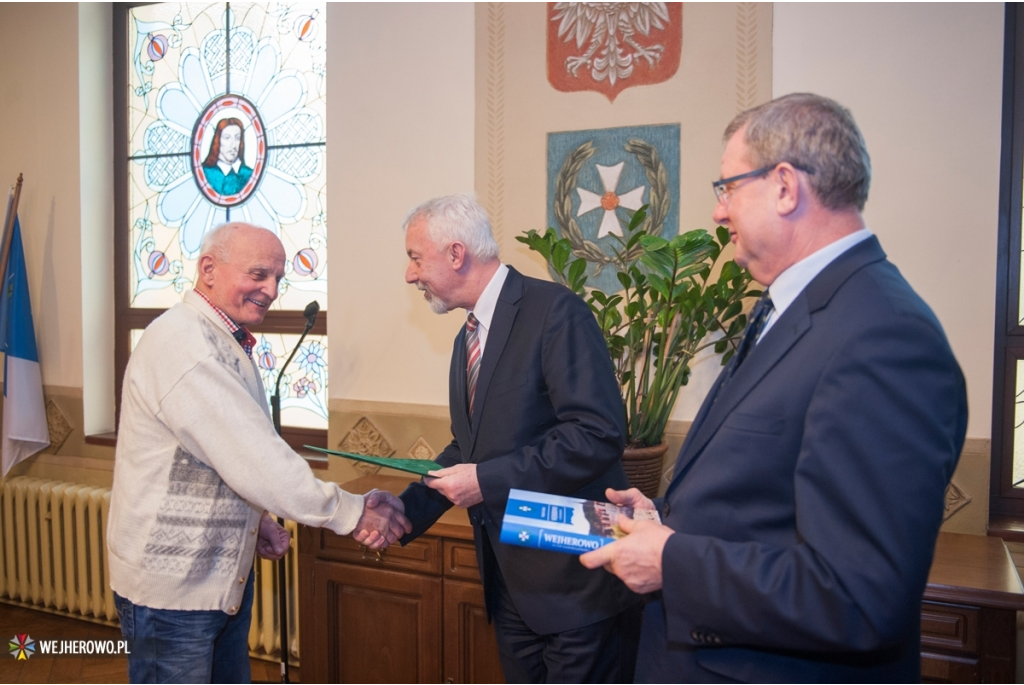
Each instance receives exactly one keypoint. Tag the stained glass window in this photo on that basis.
(226, 122)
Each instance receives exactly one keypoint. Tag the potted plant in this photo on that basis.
(669, 310)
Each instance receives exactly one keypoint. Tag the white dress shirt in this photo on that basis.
(484, 308)
(791, 282)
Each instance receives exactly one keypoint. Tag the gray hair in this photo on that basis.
(456, 218)
(217, 239)
(811, 132)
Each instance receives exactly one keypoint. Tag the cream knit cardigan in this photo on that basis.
(197, 462)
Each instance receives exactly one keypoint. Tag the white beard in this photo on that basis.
(437, 305)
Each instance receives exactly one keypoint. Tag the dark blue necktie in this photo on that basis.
(758, 318)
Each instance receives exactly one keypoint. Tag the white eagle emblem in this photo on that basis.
(611, 28)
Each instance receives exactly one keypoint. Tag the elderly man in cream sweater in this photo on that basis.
(199, 465)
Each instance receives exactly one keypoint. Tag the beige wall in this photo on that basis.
(40, 138)
(400, 130)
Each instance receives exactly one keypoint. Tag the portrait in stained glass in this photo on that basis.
(226, 122)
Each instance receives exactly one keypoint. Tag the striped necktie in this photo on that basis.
(472, 358)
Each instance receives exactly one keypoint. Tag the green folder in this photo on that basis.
(421, 467)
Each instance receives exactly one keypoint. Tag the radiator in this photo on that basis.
(54, 552)
(54, 557)
(265, 631)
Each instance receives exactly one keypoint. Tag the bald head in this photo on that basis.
(240, 266)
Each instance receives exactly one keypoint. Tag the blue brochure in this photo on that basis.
(564, 524)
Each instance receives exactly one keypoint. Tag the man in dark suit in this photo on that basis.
(801, 520)
(534, 405)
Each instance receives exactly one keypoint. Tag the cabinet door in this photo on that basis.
(470, 648)
(375, 626)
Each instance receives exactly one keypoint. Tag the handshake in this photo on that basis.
(383, 520)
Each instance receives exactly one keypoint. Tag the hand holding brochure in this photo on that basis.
(564, 524)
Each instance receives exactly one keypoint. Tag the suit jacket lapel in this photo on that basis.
(773, 346)
(784, 333)
(457, 395)
(497, 336)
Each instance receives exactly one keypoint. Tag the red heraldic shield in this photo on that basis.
(610, 46)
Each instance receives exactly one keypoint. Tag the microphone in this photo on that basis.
(310, 312)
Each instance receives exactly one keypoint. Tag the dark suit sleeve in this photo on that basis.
(881, 436)
(587, 435)
(423, 505)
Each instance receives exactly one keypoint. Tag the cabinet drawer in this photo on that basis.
(943, 668)
(949, 627)
(460, 561)
(422, 554)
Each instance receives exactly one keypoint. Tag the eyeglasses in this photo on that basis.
(725, 186)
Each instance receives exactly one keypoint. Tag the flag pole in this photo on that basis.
(12, 214)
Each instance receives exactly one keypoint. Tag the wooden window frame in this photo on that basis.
(127, 318)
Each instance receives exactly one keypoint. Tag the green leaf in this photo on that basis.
(723, 235)
(638, 218)
(653, 242)
(634, 238)
(691, 270)
(560, 256)
(658, 262)
(730, 270)
(662, 286)
(577, 270)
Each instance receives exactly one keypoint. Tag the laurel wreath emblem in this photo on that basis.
(657, 176)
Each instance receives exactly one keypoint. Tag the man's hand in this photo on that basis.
(629, 498)
(383, 520)
(636, 558)
(458, 483)
(273, 540)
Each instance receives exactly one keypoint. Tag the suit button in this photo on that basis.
(716, 639)
(666, 510)
(695, 636)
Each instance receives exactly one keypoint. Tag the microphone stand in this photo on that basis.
(310, 312)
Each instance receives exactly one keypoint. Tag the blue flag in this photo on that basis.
(24, 427)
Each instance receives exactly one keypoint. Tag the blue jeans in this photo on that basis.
(171, 646)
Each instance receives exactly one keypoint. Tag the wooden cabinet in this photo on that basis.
(411, 614)
(969, 612)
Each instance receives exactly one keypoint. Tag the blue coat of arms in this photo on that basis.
(598, 178)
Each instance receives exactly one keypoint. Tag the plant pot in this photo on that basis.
(643, 466)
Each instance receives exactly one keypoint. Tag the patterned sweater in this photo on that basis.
(197, 462)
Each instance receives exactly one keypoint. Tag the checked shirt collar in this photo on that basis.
(244, 337)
